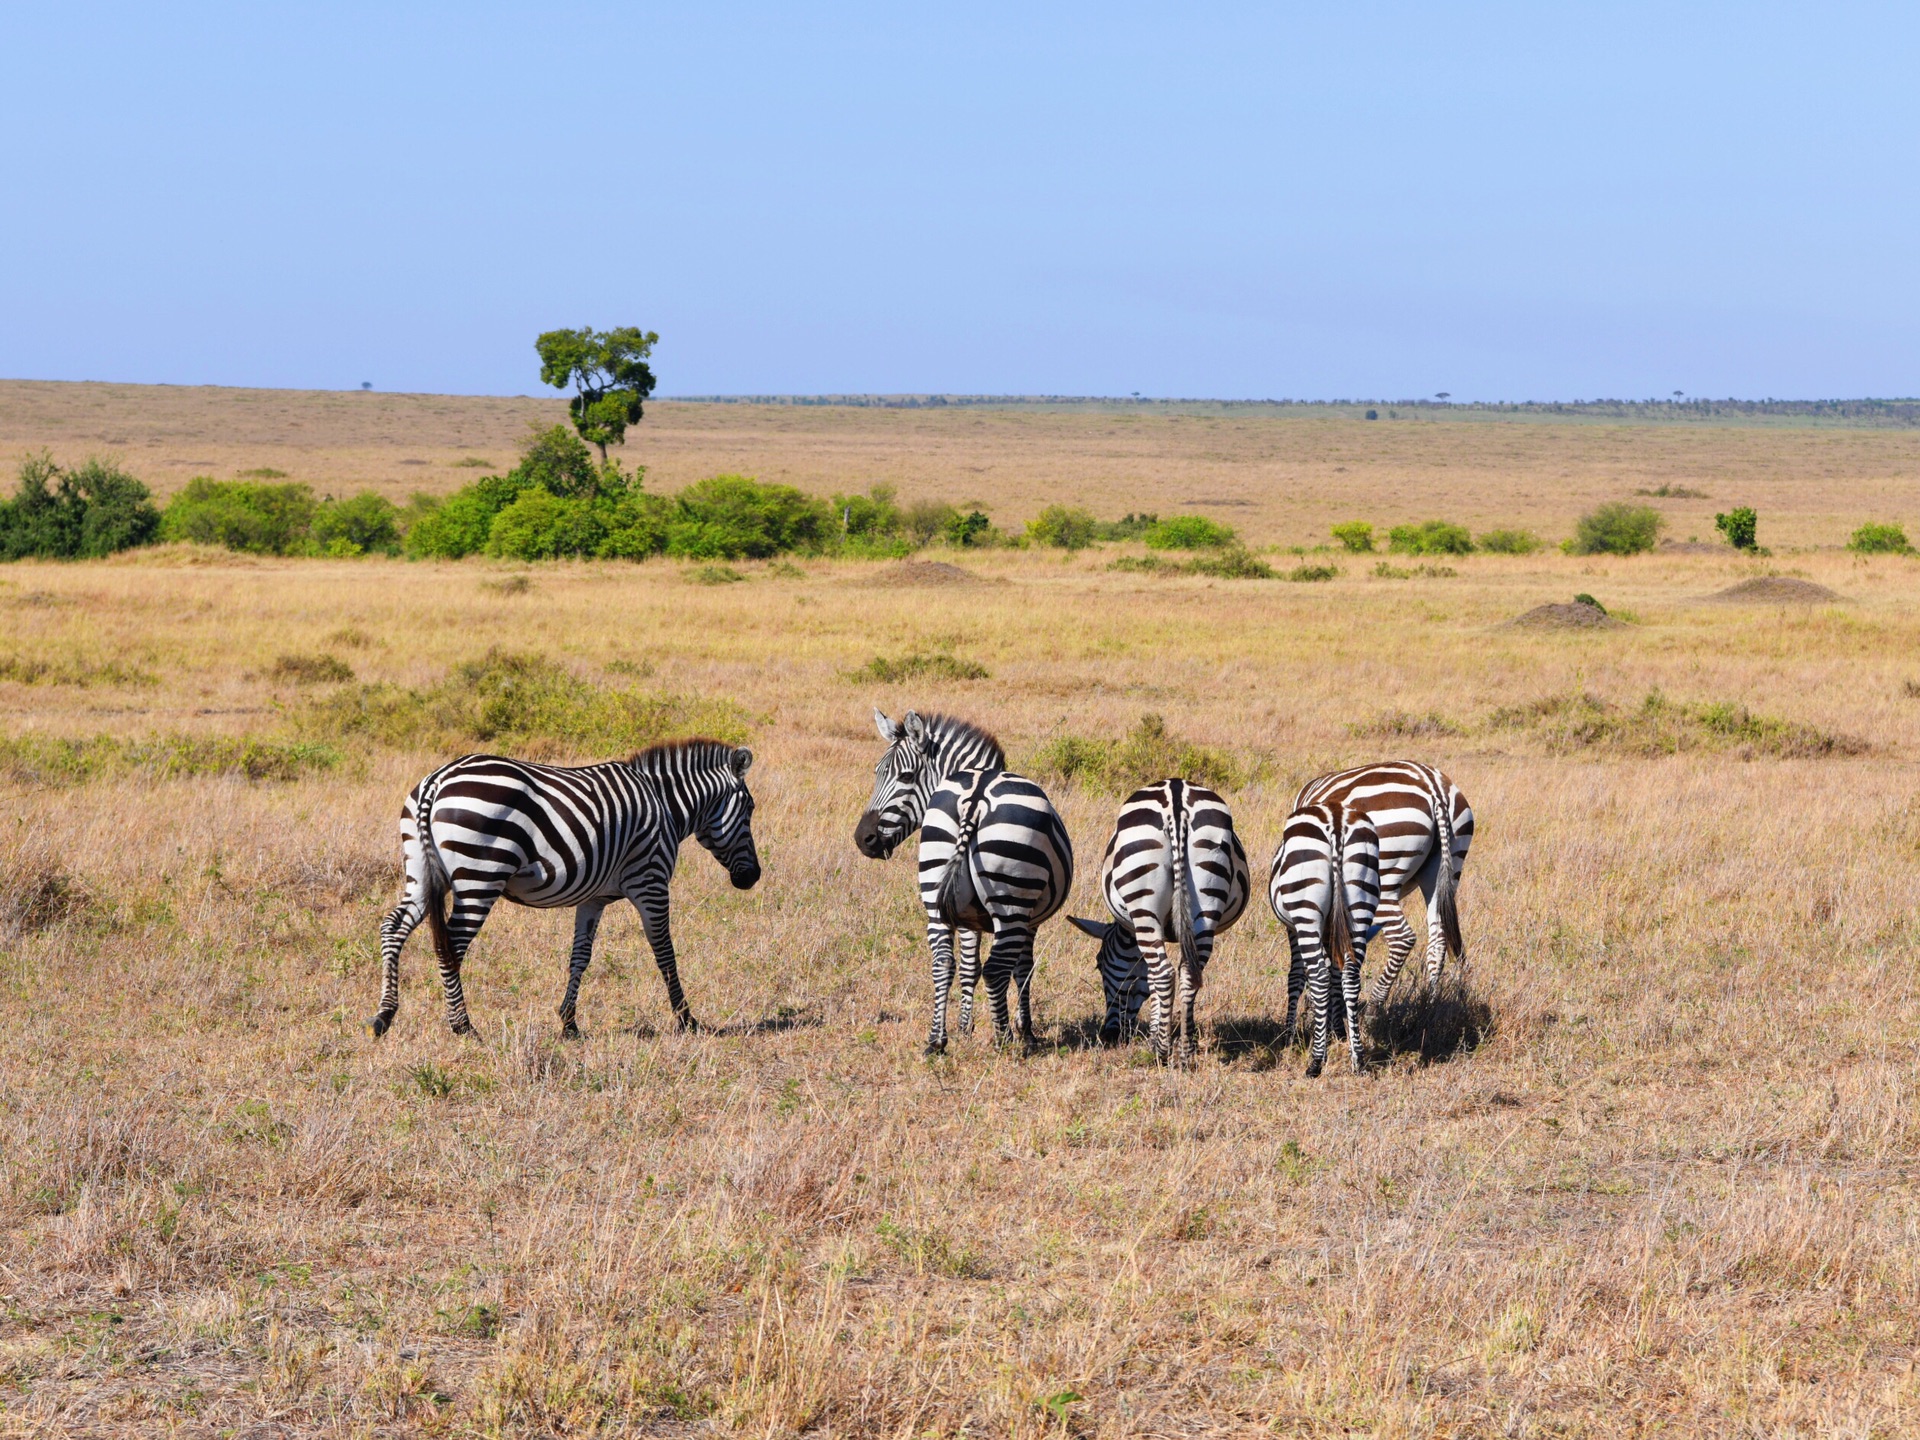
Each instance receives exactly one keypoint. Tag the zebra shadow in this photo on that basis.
(784, 1019)
(1446, 1027)
(1259, 1038)
(1084, 1034)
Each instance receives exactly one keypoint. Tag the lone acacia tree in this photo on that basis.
(609, 374)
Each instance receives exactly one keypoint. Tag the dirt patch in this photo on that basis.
(1570, 616)
(926, 572)
(1776, 590)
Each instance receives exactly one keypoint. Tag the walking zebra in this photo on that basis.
(1418, 814)
(994, 856)
(1174, 872)
(1325, 889)
(484, 828)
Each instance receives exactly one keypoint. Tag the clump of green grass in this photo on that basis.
(1147, 754)
(312, 669)
(50, 760)
(514, 701)
(40, 895)
(1233, 562)
(714, 575)
(937, 664)
(508, 585)
(32, 670)
(1404, 725)
(1675, 492)
(1659, 726)
(1509, 542)
(1386, 570)
(1312, 574)
(930, 1252)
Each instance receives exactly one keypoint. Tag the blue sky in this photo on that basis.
(1524, 201)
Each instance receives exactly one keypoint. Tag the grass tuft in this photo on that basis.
(937, 665)
(1147, 754)
(312, 669)
(1576, 721)
(50, 760)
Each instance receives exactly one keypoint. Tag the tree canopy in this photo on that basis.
(609, 374)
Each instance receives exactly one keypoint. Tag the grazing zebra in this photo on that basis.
(1175, 872)
(994, 855)
(1325, 889)
(1418, 815)
(484, 827)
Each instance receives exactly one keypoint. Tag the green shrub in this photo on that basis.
(927, 520)
(1355, 535)
(368, 524)
(872, 524)
(729, 517)
(252, 516)
(540, 525)
(1063, 527)
(1740, 527)
(1616, 528)
(1128, 527)
(452, 528)
(1188, 532)
(1312, 573)
(1433, 537)
(1585, 599)
(1147, 754)
(1509, 542)
(59, 514)
(1872, 539)
(972, 529)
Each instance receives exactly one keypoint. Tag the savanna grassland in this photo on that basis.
(1649, 1167)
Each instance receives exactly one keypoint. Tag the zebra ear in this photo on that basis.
(742, 758)
(915, 727)
(1098, 929)
(889, 731)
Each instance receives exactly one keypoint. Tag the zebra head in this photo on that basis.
(903, 782)
(1123, 975)
(723, 823)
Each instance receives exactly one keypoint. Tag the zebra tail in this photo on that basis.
(1183, 888)
(947, 901)
(1337, 939)
(434, 883)
(1445, 902)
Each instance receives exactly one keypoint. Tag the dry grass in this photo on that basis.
(1652, 1169)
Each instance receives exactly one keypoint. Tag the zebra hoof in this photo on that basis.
(379, 1025)
(686, 1024)
(465, 1027)
(569, 1031)
(935, 1049)
(1313, 1070)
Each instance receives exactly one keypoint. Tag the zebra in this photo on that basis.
(1174, 871)
(1417, 814)
(1325, 889)
(486, 827)
(994, 857)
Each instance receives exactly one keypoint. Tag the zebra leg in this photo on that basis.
(1400, 942)
(1319, 982)
(401, 922)
(1190, 977)
(1350, 1001)
(655, 919)
(1160, 983)
(470, 908)
(1436, 932)
(1002, 957)
(1019, 945)
(1296, 982)
(969, 977)
(586, 924)
(940, 941)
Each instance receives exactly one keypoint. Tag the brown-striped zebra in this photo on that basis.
(1324, 889)
(1418, 814)
(1174, 873)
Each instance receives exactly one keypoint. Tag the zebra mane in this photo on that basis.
(697, 753)
(950, 729)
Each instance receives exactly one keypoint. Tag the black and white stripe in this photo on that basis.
(1418, 814)
(486, 828)
(1325, 889)
(994, 856)
(1174, 873)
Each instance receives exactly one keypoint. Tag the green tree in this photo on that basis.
(1064, 527)
(75, 514)
(1356, 535)
(609, 375)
